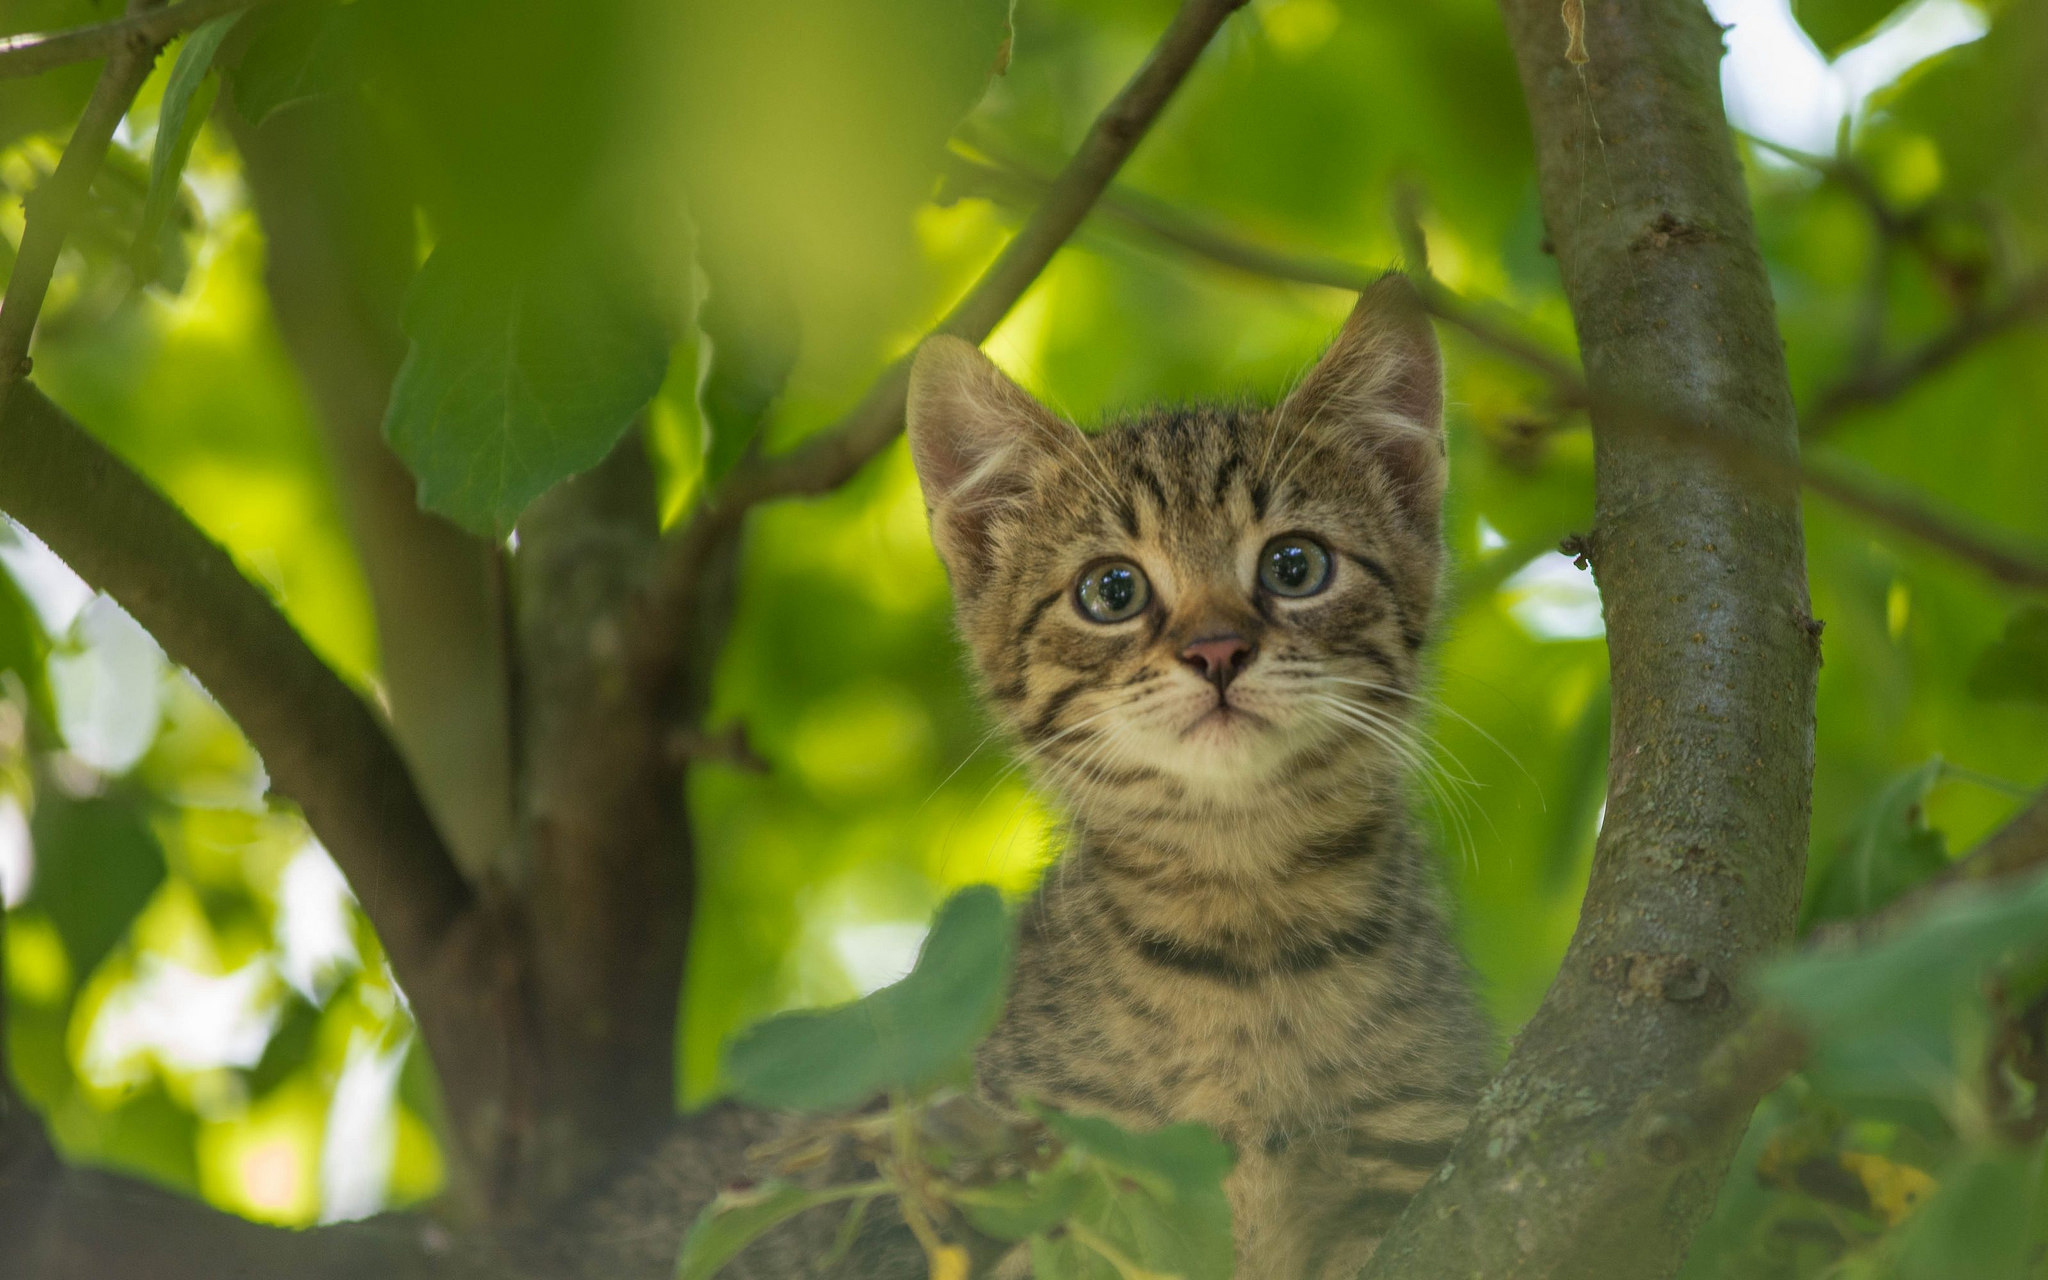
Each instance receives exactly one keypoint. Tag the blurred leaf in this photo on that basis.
(1837, 24)
(1883, 1017)
(296, 51)
(526, 368)
(188, 96)
(750, 329)
(1163, 1205)
(1891, 850)
(736, 1218)
(904, 1037)
(2015, 666)
(97, 866)
(1982, 106)
(291, 1046)
(1986, 1222)
(23, 649)
(1026, 1206)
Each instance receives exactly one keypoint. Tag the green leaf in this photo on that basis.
(1160, 1200)
(97, 865)
(1891, 850)
(298, 51)
(188, 95)
(749, 323)
(2015, 666)
(1837, 24)
(526, 367)
(905, 1037)
(1986, 1221)
(736, 1218)
(24, 647)
(1884, 1018)
(291, 1046)
(1021, 1207)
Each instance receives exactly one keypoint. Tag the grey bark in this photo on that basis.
(1575, 1165)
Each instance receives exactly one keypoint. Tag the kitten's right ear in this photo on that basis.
(973, 437)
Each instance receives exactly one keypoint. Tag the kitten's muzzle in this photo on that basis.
(1219, 659)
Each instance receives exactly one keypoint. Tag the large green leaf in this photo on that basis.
(296, 51)
(1884, 1018)
(526, 367)
(1891, 850)
(903, 1038)
(749, 323)
(97, 865)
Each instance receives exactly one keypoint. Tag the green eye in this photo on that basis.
(1292, 565)
(1112, 591)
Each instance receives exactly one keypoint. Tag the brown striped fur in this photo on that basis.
(1244, 928)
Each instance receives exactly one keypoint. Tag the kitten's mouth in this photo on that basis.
(1225, 713)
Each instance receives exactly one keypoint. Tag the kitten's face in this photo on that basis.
(1207, 610)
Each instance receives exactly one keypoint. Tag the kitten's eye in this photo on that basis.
(1112, 591)
(1292, 565)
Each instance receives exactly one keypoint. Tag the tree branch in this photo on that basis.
(35, 52)
(1902, 512)
(831, 457)
(1884, 381)
(322, 744)
(56, 203)
(1698, 867)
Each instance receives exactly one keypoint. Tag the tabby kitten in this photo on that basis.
(1204, 627)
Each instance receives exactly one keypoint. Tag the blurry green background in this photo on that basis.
(243, 1037)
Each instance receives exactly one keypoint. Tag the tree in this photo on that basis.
(572, 300)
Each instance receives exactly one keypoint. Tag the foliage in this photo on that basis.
(721, 222)
(1089, 1199)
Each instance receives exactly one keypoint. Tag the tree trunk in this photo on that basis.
(1574, 1166)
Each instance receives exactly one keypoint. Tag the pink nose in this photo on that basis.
(1218, 659)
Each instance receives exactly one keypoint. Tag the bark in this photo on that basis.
(1577, 1163)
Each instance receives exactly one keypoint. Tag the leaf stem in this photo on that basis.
(1125, 1268)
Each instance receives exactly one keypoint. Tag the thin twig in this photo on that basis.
(1881, 382)
(34, 52)
(1907, 514)
(322, 744)
(1012, 183)
(830, 458)
(57, 202)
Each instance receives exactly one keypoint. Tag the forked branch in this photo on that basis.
(831, 457)
(323, 745)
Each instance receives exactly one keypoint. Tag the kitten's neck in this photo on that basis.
(1260, 834)
(1302, 889)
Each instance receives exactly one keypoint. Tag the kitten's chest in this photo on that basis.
(1253, 1060)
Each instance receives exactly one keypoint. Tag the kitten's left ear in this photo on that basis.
(1381, 384)
(974, 436)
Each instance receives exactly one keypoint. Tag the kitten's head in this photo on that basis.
(1204, 611)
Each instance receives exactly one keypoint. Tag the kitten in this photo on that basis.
(1204, 627)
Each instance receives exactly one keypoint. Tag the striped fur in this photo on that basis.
(1244, 928)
